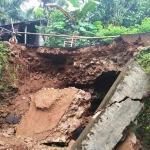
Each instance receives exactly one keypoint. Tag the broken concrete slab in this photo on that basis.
(119, 108)
(54, 114)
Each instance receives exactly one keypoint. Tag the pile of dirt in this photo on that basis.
(53, 113)
(40, 108)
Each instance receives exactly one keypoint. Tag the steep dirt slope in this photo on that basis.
(93, 69)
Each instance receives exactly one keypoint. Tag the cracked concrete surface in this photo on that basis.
(118, 109)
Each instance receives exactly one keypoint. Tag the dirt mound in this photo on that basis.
(84, 65)
(47, 113)
(53, 113)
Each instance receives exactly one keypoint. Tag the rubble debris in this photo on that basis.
(8, 132)
(54, 114)
(35, 68)
(115, 113)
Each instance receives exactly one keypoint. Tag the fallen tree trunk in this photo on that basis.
(119, 108)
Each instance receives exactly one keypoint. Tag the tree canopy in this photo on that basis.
(10, 9)
(117, 12)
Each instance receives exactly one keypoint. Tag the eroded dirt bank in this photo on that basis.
(31, 70)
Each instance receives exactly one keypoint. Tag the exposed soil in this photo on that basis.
(92, 69)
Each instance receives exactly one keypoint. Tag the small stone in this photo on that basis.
(23, 98)
(16, 119)
(3, 115)
(23, 48)
(10, 118)
(9, 132)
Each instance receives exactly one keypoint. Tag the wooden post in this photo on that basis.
(13, 39)
(25, 36)
(12, 26)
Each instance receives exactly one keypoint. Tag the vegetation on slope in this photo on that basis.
(3, 58)
(143, 126)
(3, 68)
(8, 74)
(144, 60)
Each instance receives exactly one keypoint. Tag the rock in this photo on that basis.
(29, 142)
(54, 114)
(125, 145)
(10, 118)
(45, 98)
(16, 119)
(3, 145)
(128, 143)
(9, 132)
(23, 48)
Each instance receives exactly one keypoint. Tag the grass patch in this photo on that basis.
(143, 127)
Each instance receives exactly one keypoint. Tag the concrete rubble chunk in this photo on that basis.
(43, 124)
(117, 110)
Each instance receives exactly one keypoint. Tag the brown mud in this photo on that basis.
(92, 69)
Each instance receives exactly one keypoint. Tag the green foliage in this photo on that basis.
(81, 10)
(112, 11)
(56, 15)
(8, 74)
(57, 23)
(111, 30)
(3, 64)
(145, 26)
(118, 30)
(10, 9)
(57, 26)
(54, 42)
(121, 12)
(85, 29)
(39, 12)
(143, 126)
(144, 60)
(3, 57)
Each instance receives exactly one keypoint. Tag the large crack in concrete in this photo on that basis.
(126, 98)
(99, 111)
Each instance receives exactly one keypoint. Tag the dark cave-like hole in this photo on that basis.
(101, 86)
(98, 91)
(56, 144)
(76, 133)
